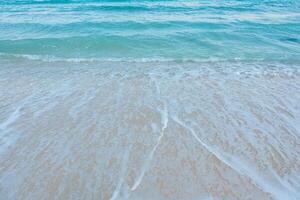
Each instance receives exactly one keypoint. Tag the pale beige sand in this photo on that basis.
(173, 132)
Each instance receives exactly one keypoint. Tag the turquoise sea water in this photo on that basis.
(151, 30)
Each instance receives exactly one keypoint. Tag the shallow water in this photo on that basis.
(120, 130)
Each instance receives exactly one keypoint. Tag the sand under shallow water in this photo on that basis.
(149, 130)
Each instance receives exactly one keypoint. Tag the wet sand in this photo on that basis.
(148, 131)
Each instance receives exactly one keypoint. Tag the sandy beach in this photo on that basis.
(174, 131)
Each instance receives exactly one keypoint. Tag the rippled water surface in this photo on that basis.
(149, 99)
(145, 29)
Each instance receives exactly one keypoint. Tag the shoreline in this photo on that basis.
(142, 131)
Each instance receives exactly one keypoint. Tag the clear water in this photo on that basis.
(155, 30)
(154, 100)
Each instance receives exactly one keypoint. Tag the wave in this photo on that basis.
(147, 30)
(194, 67)
(46, 58)
(179, 46)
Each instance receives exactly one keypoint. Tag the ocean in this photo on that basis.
(175, 99)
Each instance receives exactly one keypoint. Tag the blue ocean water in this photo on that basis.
(151, 30)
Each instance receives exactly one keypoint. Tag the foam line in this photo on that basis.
(164, 122)
(242, 169)
(124, 168)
